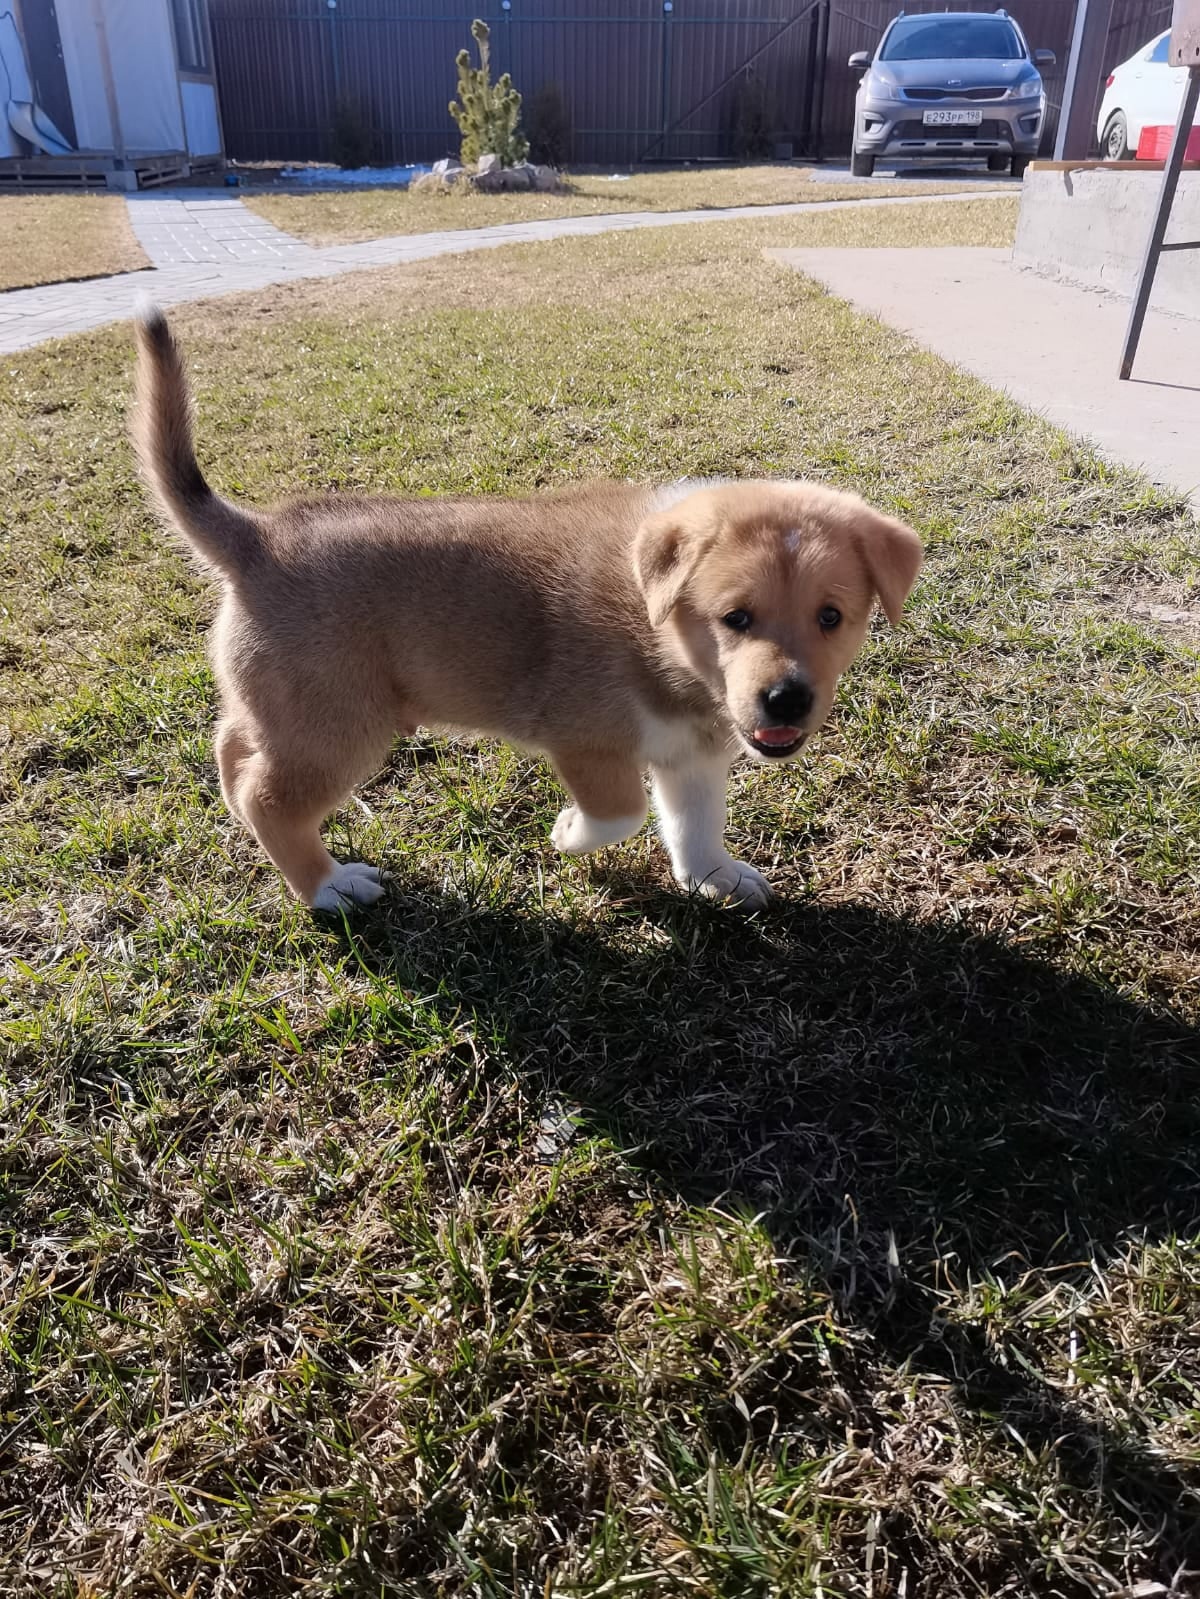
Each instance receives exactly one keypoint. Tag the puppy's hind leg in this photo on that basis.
(284, 806)
(610, 801)
(233, 747)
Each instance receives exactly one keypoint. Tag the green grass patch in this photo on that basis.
(540, 1231)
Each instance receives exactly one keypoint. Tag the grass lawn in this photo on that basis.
(343, 217)
(52, 238)
(540, 1232)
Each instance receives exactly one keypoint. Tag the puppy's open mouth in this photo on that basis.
(776, 742)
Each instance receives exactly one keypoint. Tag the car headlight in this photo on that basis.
(1029, 92)
(881, 89)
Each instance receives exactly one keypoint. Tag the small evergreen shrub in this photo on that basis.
(488, 114)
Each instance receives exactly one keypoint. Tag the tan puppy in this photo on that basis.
(611, 628)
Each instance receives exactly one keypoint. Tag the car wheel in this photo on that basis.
(997, 163)
(1019, 163)
(861, 166)
(1115, 144)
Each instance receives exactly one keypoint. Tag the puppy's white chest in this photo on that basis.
(677, 741)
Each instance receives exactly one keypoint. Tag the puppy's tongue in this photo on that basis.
(776, 735)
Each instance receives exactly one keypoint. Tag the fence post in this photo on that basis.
(668, 11)
(822, 72)
(1074, 135)
(810, 87)
(334, 53)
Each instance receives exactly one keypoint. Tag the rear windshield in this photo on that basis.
(952, 39)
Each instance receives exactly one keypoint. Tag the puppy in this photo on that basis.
(612, 628)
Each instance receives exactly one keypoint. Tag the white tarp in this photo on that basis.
(81, 57)
(200, 116)
(142, 52)
(14, 82)
(24, 124)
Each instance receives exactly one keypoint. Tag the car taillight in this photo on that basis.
(1110, 80)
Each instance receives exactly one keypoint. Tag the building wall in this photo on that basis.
(159, 112)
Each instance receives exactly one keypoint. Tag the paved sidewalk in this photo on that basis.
(1053, 347)
(205, 226)
(229, 254)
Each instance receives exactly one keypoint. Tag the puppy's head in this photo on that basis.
(766, 591)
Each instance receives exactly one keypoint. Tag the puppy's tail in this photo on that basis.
(222, 536)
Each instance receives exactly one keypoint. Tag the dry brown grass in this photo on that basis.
(513, 279)
(54, 238)
(345, 217)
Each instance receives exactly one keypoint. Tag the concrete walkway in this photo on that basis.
(192, 228)
(205, 243)
(1052, 347)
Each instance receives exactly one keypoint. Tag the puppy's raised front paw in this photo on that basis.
(570, 831)
(734, 882)
(577, 833)
(352, 883)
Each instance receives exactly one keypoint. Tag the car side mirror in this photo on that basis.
(1044, 58)
(860, 61)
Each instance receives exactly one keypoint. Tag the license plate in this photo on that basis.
(953, 119)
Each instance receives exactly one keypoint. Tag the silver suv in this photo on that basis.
(950, 85)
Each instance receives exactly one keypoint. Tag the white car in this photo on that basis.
(1143, 92)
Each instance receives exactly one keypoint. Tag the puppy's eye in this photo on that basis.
(828, 617)
(739, 621)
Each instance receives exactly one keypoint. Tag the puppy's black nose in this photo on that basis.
(788, 701)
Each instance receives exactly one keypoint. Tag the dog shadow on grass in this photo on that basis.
(905, 1106)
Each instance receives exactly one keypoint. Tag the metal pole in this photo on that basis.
(822, 70)
(1071, 78)
(807, 136)
(206, 23)
(1166, 197)
(1073, 138)
(668, 12)
(337, 60)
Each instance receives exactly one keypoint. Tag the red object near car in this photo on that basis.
(1155, 144)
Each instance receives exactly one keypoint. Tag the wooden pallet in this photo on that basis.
(54, 172)
(93, 172)
(150, 177)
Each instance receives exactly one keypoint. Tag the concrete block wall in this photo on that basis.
(1089, 225)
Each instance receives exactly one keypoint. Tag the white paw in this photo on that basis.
(351, 884)
(577, 833)
(734, 882)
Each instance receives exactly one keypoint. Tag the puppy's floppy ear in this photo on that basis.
(665, 553)
(892, 554)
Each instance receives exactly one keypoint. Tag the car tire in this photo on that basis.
(1019, 163)
(998, 163)
(861, 166)
(1114, 146)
